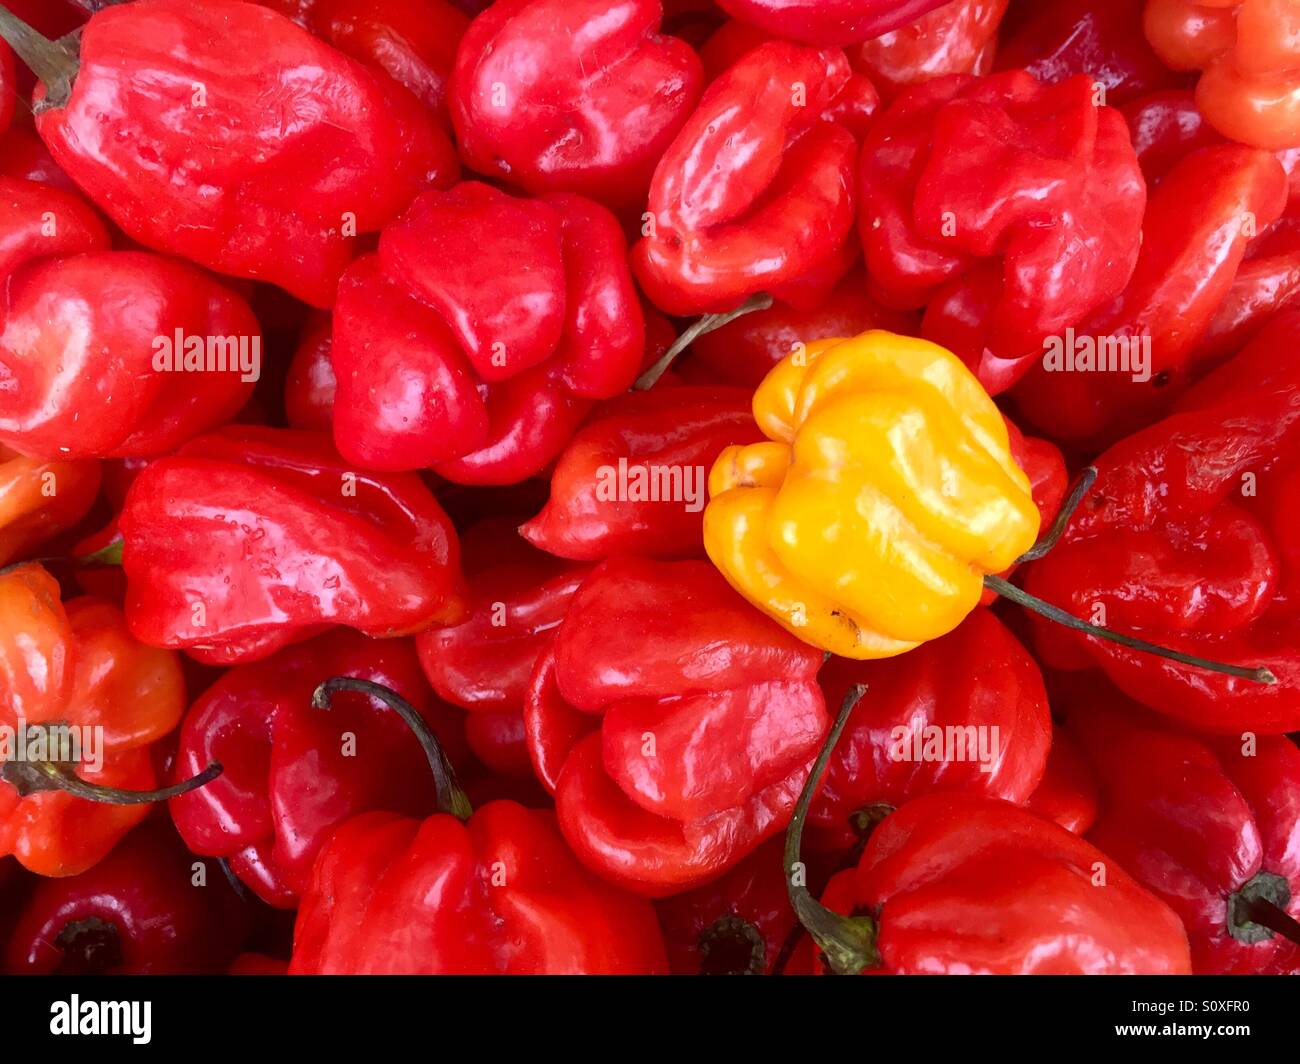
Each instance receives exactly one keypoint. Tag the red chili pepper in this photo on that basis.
(1013, 209)
(756, 191)
(960, 37)
(1188, 537)
(828, 21)
(477, 337)
(572, 95)
(293, 773)
(39, 499)
(677, 750)
(412, 41)
(1210, 826)
(495, 891)
(250, 538)
(69, 794)
(111, 353)
(735, 925)
(744, 351)
(634, 480)
(1100, 38)
(149, 908)
(1166, 126)
(23, 155)
(517, 595)
(1197, 228)
(310, 385)
(957, 884)
(967, 713)
(259, 151)
(1067, 792)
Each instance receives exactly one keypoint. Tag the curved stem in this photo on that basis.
(34, 777)
(848, 942)
(1081, 488)
(55, 62)
(706, 324)
(1265, 913)
(1060, 616)
(450, 798)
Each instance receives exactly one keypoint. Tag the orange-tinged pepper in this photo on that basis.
(884, 494)
(76, 664)
(40, 498)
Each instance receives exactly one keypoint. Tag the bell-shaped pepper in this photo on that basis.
(293, 773)
(1209, 825)
(412, 41)
(81, 704)
(633, 480)
(120, 353)
(259, 151)
(476, 339)
(466, 893)
(1199, 223)
(828, 21)
(960, 37)
(959, 884)
(572, 95)
(967, 712)
(674, 752)
(517, 595)
(1012, 209)
(885, 492)
(1100, 38)
(1067, 792)
(1249, 88)
(252, 538)
(756, 191)
(1190, 537)
(146, 909)
(39, 499)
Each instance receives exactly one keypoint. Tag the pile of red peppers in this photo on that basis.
(367, 373)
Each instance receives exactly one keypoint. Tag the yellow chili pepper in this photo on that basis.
(886, 493)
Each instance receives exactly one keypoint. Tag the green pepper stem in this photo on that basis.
(450, 798)
(848, 942)
(1055, 613)
(34, 777)
(1081, 488)
(698, 328)
(55, 62)
(1265, 913)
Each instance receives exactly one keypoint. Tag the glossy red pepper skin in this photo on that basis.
(40, 498)
(195, 177)
(1195, 820)
(565, 96)
(499, 894)
(962, 885)
(756, 191)
(957, 179)
(276, 538)
(743, 352)
(412, 41)
(725, 700)
(1188, 539)
(613, 491)
(517, 595)
(138, 912)
(1100, 38)
(1067, 793)
(482, 363)
(1246, 51)
(75, 663)
(79, 355)
(23, 155)
(735, 925)
(293, 772)
(977, 678)
(1166, 125)
(825, 22)
(961, 37)
(1198, 227)
(310, 385)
